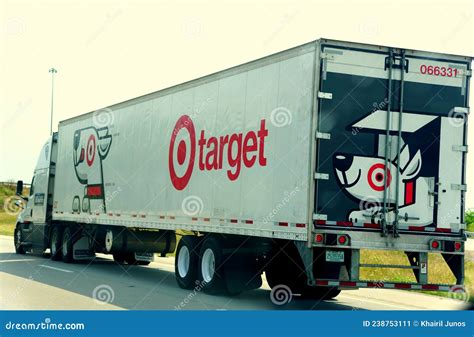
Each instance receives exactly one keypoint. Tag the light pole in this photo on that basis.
(52, 71)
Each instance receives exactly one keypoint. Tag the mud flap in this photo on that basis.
(240, 275)
(144, 256)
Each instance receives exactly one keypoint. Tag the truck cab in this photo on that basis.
(34, 221)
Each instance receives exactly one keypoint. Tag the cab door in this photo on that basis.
(37, 206)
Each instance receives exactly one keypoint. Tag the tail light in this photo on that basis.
(342, 240)
(458, 246)
(319, 238)
(435, 245)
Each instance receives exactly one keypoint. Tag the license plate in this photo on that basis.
(334, 256)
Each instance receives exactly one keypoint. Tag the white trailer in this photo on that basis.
(288, 165)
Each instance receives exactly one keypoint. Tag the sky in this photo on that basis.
(110, 51)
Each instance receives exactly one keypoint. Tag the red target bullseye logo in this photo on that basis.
(90, 150)
(375, 177)
(184, 122)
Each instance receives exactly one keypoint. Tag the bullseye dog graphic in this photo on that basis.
(363, 178)
(366, 178)
(91, 146)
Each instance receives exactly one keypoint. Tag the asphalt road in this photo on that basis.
(36, 282)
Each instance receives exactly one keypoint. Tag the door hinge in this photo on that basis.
(459, 148)
(459, 110)
(459, 187)
(321, 176)
(317, 216)
(326, 56)
(322, 135)
(324, 95)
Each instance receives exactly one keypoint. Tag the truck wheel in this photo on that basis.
(119, 258)
(56, 242)
(186, 262)
(19, 249)
(211, 268)
(67, 245)
(320, 293)
(286, 268)
(332, 294)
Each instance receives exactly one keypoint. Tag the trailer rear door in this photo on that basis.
(395, 160)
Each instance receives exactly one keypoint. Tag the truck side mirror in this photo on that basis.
(19, 187)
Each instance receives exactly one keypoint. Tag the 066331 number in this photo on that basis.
(438, 71)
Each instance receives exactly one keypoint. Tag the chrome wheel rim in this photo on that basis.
(183, 261)
(208, 265)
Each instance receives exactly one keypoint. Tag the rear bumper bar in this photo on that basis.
(389, 285)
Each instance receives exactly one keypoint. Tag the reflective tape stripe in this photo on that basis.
(386, 285)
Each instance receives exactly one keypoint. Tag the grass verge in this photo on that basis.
(438, 270)
(7, 223)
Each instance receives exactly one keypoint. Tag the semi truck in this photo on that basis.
(287, 166)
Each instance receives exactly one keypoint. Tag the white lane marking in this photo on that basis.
(54, 268)
(363, 300)
(18, 260)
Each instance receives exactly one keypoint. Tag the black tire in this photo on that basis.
(56, 243)
(287, 268)
(17, 239)
(320, 293)
(130, 258)
(212, 274)
(119, 258)
(67, 245)
(186, 262)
